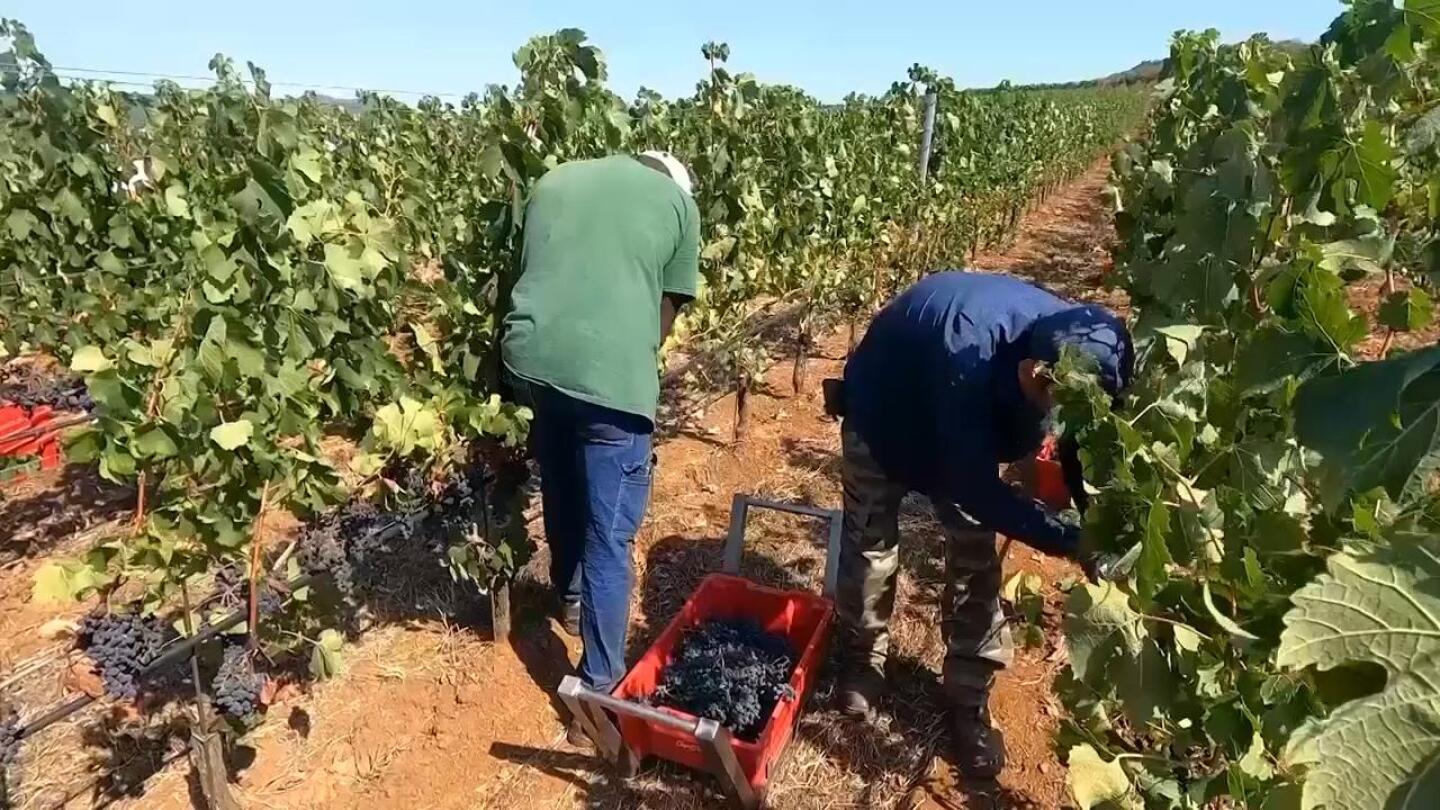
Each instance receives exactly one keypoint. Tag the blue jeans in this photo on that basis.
(595, 471)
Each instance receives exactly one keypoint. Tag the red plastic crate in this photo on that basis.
(742, 768)
(16, 420)
(1050, 485)
(804, 619)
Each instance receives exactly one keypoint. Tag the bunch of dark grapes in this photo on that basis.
(122, 645)
(32, 391)
(237, 685)
(232, 586)
(345, 544)
(9, 751)
(479, 496)
(454, 507)
(9, 735)
(413, 480)
(730, 671)
(321, 552)
(365, 544)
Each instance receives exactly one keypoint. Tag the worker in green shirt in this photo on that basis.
(612, 251)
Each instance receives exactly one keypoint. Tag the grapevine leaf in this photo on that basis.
(1314, 216)
(175, 201)
(307, 162)
(218, 264)
(1180, 339)
(232, 435)
(1381, 751)
(1154, 552)
(1187, 638)
(1099, 621)
(430, 346)
(719, 249)
(1366, 255)
(1375, 425)
(348, 272)
(1425, 14)
(255, 204)
(52, 585)
(84, 447)
(1382, 607)
(156, 443)
(116, 464)
(325, 659)
(1408, 311)
(1367, 161)
(1272, 355)
(249, 361)
(1094, 782)
(1255, 763)
(1144, 683)
(492, 160)
(90, 360)
(69, 206)
(1226, 623)
(70, 581)
(406, 425)
(22, 223)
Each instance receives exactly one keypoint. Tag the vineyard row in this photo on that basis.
(240, 278)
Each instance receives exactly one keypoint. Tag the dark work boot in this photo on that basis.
(576, 736)
(859, 691)
(979, 746)
(569, 616)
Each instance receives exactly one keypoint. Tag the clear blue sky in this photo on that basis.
(827, 48)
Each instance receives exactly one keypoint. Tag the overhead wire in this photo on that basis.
(84, 73)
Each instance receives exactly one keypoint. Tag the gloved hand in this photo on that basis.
(1107, 566)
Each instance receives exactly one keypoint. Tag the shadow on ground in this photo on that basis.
(43, 510)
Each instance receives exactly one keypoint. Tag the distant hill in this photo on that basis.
(1147, 71)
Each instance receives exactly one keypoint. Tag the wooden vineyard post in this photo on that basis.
(927, 136)
(802, 349)
(207, 757)
(500, 608)
(207, 746)
(742, 393)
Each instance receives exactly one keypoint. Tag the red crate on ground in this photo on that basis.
(21, 434)
(804, 619)
(742, 767)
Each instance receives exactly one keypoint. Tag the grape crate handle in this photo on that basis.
(735, 541)
(711, 737)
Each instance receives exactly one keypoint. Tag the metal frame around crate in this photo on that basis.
(735, 541)
(593, 709)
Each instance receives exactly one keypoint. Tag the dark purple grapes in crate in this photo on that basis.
(731, 671)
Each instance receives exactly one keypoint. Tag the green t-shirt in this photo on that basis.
(604, 239)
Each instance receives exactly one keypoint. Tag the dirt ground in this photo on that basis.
(431, 713)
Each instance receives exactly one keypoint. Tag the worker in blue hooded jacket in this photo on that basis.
(949, 382)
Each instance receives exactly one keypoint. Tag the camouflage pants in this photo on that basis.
(977, 640)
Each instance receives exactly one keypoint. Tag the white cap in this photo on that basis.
(674, 168)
